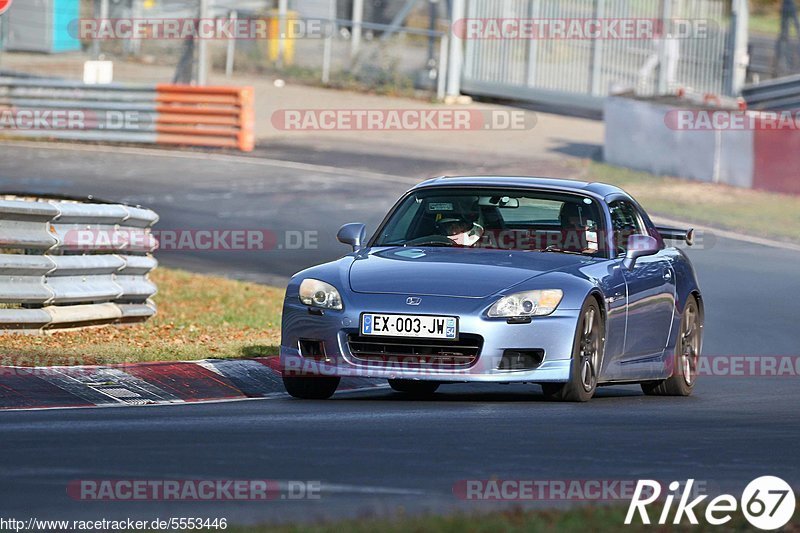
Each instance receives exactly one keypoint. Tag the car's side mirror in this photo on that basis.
(353, 234)
(639, 246)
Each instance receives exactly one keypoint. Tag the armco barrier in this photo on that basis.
(52, 278)
(776, 95)
(154, 114)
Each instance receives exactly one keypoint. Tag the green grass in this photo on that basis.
(765, 17)
(768, 23)
(198, 316)
(758, 213)
(604, 519)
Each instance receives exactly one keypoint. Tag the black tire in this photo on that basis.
(414, 387)
(686, 356)
(310, 387)
(587, 356)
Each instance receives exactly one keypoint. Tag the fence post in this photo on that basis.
(231, 47)
(737, 56)
(534, 9)
(456, 61)
(355, 30)
(441, 72)
(663, 49)
(597, 53)
(102, 15)
(202, 49)
(283, 8)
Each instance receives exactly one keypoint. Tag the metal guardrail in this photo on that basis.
(219, 117)
(777, 94)
(66, 264)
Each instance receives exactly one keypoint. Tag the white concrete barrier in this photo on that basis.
(641, 135)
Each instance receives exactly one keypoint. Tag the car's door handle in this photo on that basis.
(667, 274)
(615, 297)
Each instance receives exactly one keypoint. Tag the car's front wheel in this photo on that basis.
(412, 387)
(310, 387)
(587, 355)
(686, 356)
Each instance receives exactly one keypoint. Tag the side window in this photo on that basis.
(626, 222)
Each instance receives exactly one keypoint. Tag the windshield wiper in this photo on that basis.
(562, 251)
(429, 243)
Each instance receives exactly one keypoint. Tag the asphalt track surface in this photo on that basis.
(374, 451)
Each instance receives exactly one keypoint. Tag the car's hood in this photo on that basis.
(461, 272)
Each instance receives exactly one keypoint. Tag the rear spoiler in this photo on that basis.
(677, 234)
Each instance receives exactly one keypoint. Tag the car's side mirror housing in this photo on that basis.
(354, 234)
(639, 246)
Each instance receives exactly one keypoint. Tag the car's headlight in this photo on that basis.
(320, 294)
(528, 303)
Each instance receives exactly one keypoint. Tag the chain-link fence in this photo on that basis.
(393, 46)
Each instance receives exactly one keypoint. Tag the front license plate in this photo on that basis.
(420, 326)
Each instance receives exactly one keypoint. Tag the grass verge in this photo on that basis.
(758, 213)
(596, 519)
(198, 316)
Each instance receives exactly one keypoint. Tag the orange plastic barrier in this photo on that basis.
(205, 116)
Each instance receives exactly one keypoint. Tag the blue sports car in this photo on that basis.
(560, 283)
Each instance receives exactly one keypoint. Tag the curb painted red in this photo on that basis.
(146, 383)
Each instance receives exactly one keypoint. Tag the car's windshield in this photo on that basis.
(504, 219)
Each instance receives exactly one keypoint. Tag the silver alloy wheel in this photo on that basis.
(590, 349)
(690, 342)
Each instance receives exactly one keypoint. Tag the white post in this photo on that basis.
(355, 30)
(597, 54)
(456, 61)
(738, 58)
(202, 49)
(326, 59)
(664, 51)
(441, 70)
(231, 47)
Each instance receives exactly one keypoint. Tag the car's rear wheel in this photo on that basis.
(413, 387)
(310, 387)
(587, 356)
(687, 355)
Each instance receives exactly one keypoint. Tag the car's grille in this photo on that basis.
(397, 351)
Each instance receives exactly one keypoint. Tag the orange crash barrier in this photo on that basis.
(205, 116)
(218, 117)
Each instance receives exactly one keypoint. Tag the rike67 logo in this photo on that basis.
(4, 5)
(768, 503)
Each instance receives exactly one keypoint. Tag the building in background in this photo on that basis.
(41, 26)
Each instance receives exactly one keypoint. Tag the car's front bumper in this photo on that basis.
(554, 335)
